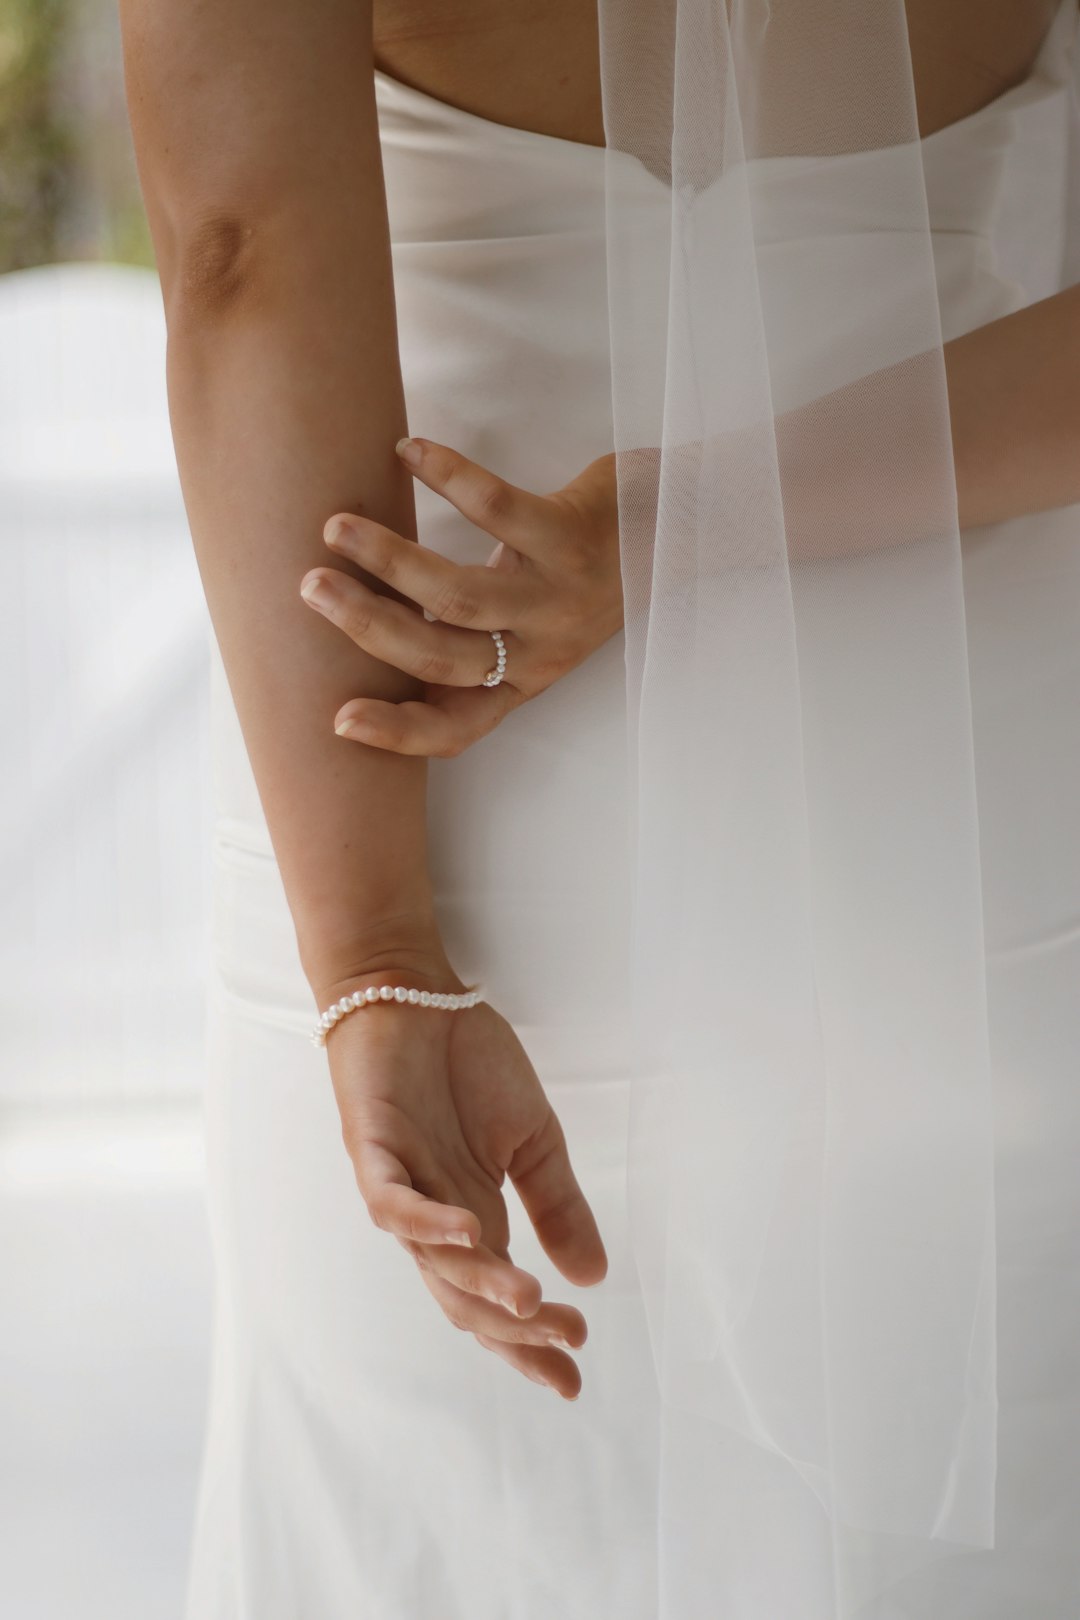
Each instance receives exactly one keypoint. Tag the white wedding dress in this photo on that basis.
(363, 1460)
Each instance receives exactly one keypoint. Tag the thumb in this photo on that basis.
(556, 1206)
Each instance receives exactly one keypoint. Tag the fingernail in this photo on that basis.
(409, 450)
(336, 530)
(460, 1237)
(563, 1344)
(345, 728)
(316, 590)
(510, 1303)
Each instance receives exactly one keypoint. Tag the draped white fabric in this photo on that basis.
(811, 1176)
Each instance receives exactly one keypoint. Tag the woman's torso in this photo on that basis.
(498, 238)
(538, 67)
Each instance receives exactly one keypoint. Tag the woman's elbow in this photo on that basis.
(214, 262)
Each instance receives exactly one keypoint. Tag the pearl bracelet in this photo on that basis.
(414, 998)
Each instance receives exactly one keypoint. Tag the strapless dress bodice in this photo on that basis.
(453, 175)
(470, 198)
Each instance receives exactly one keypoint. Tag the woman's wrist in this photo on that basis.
(407, 948)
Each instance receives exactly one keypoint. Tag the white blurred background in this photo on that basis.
(105, 1270)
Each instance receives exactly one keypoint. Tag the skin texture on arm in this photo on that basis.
(1014, 417)
(257, 141)
(256, 136)
(1014, 401)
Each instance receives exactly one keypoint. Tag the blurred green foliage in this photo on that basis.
(36, 142)
(68, 183)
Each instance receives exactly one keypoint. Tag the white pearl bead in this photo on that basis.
(450, 1001)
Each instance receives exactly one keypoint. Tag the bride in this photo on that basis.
(713, 755)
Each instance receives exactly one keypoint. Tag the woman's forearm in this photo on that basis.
(280, 420)
(1014, 400)
(871, 465)
(261, 171)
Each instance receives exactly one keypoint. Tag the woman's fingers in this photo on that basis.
(443, 726)
(396, 1206)
(559, 1327)
(469, 1282)
(554, 1202)
(481, 1271)
(559, 1372)
(439, 654)
(473, 597)
(531, 524)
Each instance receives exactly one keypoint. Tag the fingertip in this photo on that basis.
(526, 1305)
(335, 527)
(355, 723)
(584, 1267)
(466, 1229)
(410, 450)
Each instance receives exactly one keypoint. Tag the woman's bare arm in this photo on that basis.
(255, 131)
(1014, 412)
(1014, 415)
(1014, 400)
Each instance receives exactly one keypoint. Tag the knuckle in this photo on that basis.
(378, 1214)
(381, 559)
(434, 666)
(356, 620)
(456, 1317)
(454, 605)
(440, 465)
(493, 501)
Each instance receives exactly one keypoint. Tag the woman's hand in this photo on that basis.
(437, 1108)
(552, 587)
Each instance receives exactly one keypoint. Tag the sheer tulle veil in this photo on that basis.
(811, 1174)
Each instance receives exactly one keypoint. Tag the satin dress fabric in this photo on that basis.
(364, 1459)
